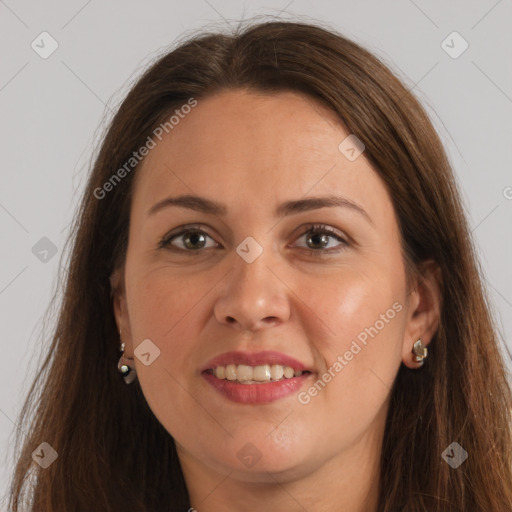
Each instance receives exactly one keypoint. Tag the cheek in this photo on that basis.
(162, 306)
(360, 349)
(352, 305)
(164, 310)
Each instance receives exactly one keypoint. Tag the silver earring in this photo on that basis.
(125, 365)
(420, 352)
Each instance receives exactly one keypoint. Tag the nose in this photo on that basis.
(252, 296)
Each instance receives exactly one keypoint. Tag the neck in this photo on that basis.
(348, 481)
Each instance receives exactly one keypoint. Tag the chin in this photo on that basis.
(268, 472)
(262, 461)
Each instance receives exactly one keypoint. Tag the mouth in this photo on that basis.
(260, 374)
(255, 378)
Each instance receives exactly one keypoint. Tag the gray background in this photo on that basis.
(53, 111)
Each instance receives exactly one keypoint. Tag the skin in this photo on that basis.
(252, 152)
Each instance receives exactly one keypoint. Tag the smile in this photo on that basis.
(245, 374)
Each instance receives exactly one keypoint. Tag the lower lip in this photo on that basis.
(256, 393)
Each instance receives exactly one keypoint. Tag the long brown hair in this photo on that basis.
(113, 454)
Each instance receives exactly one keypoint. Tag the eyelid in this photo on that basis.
(344, 240)
(164, 243)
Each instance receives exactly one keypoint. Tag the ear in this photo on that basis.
(424, 312)
(118, 294)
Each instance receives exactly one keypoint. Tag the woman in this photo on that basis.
(272, 236)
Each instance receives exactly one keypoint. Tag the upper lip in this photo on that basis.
(254, 359)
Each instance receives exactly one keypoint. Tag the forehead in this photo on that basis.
(257, 149)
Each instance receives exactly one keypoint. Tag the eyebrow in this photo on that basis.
(209, 206)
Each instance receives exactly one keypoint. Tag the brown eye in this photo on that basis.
(188, 240)
(320, 237)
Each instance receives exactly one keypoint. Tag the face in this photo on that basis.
(319, 287)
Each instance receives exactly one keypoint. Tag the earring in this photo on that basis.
(124, 366)
(420, 352)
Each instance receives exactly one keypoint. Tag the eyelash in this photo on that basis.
(313, 229)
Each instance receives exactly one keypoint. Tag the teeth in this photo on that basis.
(244, 373)
(220, 372)
(276, 371)
(231, 372)
(288, 372)
(261, 373)
(253, 374)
